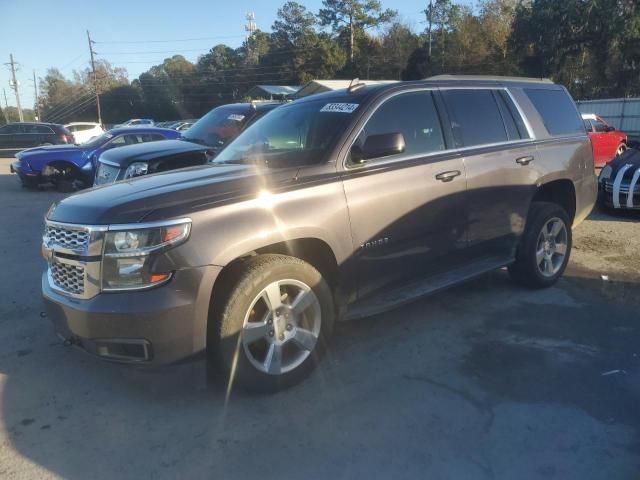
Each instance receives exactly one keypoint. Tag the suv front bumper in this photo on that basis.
(156, 326)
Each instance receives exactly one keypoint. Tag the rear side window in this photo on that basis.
(557, 110)
(475, 117)
(599, 126)
(414, 115)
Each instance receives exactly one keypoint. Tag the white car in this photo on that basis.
(84, 131)
(136, 122)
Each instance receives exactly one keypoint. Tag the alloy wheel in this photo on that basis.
(281, 327)
(551, 247)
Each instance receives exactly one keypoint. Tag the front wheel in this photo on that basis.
(543, 252)
(621, 149)
(273, 326)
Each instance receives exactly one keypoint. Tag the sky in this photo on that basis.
(43, 34)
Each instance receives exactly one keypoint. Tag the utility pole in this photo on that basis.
(6, 105)
(14, 84)
(95, 78)
(429, 12)
(250, 28)
(35, 89)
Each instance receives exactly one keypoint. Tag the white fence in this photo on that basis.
(622, 113)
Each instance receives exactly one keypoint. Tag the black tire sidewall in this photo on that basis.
(525, 270)
(260, 272)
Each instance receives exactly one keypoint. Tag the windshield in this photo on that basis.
(294, 134)
(99, 140)
(217, 127)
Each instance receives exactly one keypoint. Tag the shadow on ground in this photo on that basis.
(486, 380)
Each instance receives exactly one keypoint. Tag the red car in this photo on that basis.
(607, 142)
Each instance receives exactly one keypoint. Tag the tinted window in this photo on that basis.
(599, 126)
(414, 115)
(557, 110)
(41, 129)
(10, 129)
(475, 117)
(587, 125)
(219, 126)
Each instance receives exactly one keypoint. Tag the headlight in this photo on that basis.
(137, 169)
(129, 255)
(605, 173)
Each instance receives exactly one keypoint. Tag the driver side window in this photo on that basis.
(413, 115)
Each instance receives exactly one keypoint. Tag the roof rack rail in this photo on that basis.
(355, 84)
(496, 78)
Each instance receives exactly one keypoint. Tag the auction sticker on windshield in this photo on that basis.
(236, 117)
(339, 107)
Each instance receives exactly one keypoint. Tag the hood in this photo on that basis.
(630, 157)
(168, 195)
(149, 151)
(39, 156)
(66, 148)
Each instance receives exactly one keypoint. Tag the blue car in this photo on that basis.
(65, 165)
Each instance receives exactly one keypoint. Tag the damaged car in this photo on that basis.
(619, 182)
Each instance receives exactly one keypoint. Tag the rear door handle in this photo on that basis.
(447, 176)
(524, 160)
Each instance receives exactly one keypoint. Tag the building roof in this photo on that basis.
(318, 86)
(272, 90)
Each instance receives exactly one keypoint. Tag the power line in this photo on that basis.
(220, 37)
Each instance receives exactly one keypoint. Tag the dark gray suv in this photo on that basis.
(335, 206)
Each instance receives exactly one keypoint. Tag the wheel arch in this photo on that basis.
(312, 250)
(561, 192)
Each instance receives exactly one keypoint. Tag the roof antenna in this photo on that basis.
(355, 85)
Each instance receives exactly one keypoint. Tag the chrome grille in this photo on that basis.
(69, 278)
(67, 238)
(106, 174)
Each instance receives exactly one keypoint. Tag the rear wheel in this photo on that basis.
(543, 252)
(271, 330)
(621, 149)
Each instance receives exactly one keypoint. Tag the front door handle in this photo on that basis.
(524, 160)
(447, 176)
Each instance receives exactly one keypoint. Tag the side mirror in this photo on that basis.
(377, 146)
(611, 129)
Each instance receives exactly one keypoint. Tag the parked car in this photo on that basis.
(619, 182)
(136, 122)
(198, 145)
(606, 140)
(84, 131)
(335, 206)
(143, 159)
(18, 136)
(67, 164)
(181, 126)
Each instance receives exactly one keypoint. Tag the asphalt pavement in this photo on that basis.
(484, 381)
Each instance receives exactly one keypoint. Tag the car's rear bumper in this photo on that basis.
(157, 326)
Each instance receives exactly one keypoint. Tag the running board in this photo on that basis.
(379, 303)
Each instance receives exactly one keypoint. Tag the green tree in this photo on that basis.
(353, 17)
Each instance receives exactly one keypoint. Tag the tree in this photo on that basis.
(3, 119)
(353, 16)
(418, 65)
(107, 77)
(293, 25)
